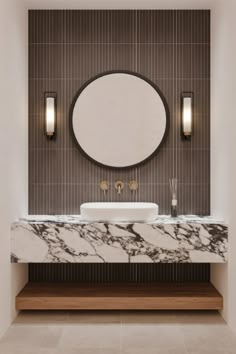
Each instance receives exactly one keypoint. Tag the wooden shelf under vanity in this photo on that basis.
(116, 296)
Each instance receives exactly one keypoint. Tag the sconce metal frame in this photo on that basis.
(186, 135)
(50, 135)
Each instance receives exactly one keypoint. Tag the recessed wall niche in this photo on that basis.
(67, 48)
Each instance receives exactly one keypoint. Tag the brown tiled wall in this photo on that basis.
(119, 272)
(66, 48)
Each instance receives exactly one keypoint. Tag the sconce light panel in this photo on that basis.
(50, 114)
(187, 114)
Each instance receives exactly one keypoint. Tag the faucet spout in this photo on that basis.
(119, 186)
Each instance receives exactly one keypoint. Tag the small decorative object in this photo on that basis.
(50, 114)
(187, 114)
(173, 189)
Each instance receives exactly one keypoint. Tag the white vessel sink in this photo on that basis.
(119, 212)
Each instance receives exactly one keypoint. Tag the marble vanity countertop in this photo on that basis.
(76, 219)
(67, 238)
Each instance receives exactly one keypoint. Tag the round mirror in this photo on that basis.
(119, 119)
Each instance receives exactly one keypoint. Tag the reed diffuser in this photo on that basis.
(173, 190)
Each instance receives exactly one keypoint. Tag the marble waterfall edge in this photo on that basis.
(55, 239)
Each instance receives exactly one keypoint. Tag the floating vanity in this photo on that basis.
(56, 239)
(53, 239)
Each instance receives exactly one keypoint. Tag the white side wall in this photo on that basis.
(223, 144)
(13, 146)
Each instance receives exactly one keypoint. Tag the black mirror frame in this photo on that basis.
(119, 72)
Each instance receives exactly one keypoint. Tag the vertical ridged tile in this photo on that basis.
(119, 272)
(66, 48)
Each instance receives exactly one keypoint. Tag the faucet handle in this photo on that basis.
(104, 186)
(119, 186)
(133, 185)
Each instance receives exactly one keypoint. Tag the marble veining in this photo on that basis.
(63, 238)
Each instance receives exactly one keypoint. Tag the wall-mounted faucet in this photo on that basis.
(119, 186)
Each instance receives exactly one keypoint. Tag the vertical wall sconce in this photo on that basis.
(50, 114)
(187, 114)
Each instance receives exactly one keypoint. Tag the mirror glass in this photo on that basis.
(119, 119)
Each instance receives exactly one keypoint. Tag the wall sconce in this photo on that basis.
(50, 114)
(187, 114)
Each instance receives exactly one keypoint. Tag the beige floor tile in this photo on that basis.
(67, 317)
(123, 332)
(91, 336)
(171, 317)
(12, 348)
(198, 317)
(88, 351)
(208, 338)
(45, 351)
(162, 336)
(94, 317)
(147, 350)
(211, 351)
(42, 317)
(147, 317)
(34, 336)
